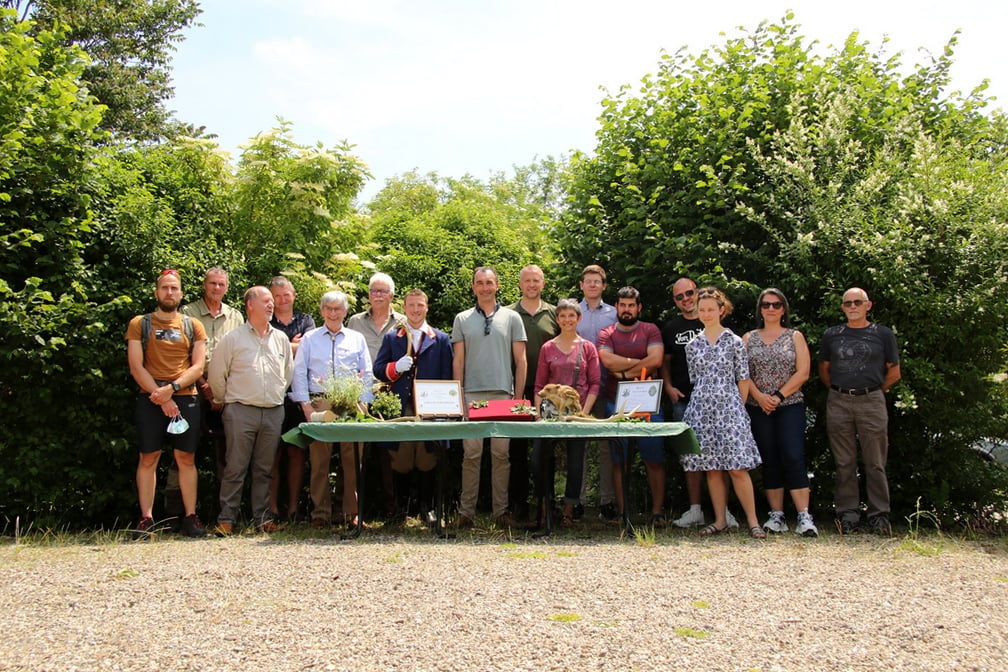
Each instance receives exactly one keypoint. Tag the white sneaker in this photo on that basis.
(775, 523)
(730, 519)
(805, 526)
(692, 518)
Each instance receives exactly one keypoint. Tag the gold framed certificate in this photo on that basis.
(438, 398)
(638, 396)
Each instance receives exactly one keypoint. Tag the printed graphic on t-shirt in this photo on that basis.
(684, 337)
(169, 334)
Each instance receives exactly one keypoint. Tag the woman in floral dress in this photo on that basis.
(779, 364)
(719, 371)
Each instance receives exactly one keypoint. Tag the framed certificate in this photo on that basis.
(638, 396)
(438, 398)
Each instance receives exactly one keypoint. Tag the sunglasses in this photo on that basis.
(776, 305)
(682, 295)
(855, 303)
(486, 324)
(168, 271)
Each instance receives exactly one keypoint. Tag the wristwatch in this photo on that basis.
(175, 386)
(779, 395)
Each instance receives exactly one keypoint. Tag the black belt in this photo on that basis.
(859, 392)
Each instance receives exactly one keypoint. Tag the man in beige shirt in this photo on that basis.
(249, 374)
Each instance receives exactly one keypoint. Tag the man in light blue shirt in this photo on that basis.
(330, 351)
(596, 315)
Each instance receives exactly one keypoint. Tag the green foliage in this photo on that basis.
(432, 233)
(130, 43)
(761, 162)
(293, 213)
(54, 376)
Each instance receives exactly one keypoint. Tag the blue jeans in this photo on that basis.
(780, 438)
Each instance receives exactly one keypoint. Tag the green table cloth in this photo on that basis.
(683, 439)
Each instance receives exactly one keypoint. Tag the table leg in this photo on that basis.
(356, 530)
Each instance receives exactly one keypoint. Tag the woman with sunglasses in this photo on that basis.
(779, 364)
(719, 371)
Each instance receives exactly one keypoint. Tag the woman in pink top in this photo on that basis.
(570, 360)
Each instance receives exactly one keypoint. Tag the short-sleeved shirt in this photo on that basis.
(539, 328)
(678, 332)
(858, 357)
(300, 324)
(215, 327)
(633, 342)
(166, 355)
(488, 357)
(363, 323)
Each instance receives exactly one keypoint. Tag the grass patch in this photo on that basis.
(127, 573)
(568, 617)
(700, 604)
(645, 536)
(691, 633)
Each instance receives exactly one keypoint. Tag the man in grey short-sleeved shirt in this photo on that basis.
(489, 342)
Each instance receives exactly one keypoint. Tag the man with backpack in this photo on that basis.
(165, 351)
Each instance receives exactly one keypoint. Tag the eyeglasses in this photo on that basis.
(854, 303)
(776, 305)
(682, 295)
(379, 292)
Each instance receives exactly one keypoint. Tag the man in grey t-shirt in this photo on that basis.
(858, 362)
(489, 342)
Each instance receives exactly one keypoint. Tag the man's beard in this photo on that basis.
(627, 321)
(168, 305)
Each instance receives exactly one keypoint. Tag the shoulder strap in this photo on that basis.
(577, 364)
(145, 331)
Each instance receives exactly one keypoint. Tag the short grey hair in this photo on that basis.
(334, 296)
(382, 277)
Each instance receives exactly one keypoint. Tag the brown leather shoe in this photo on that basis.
(464, 522)
(319, 524)
(223, 529)
(503, 520)
(270, 526)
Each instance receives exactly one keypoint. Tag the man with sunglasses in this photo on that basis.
(858, 362)
(489, 359)
(679, 331)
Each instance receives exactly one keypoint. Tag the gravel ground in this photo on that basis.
(487, 601)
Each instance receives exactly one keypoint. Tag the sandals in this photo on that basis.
(757, 532)
(567, 521)
(658, 520)
(712, 530)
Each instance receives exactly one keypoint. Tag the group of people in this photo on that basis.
(248, 381)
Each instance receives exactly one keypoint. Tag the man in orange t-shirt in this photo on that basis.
(165, 364)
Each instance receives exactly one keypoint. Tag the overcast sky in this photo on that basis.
(474, 87)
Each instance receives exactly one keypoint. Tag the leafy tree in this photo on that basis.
(761, 162)
(130, 43)
(293, 211)
(50, 324)
(431, 233)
